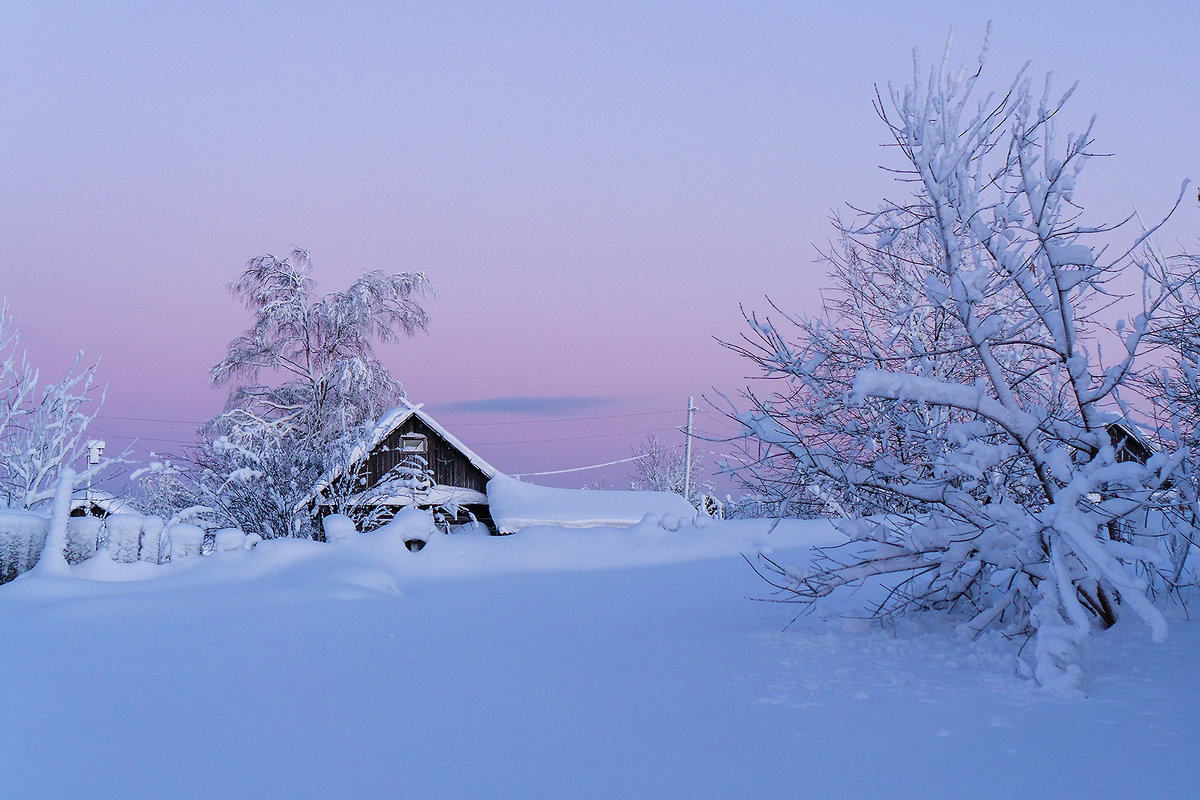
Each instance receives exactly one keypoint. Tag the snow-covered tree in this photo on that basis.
(874, 317)
(43, 427)
(263, 454)
(662, 468)
(1172, 386)
(969, 400)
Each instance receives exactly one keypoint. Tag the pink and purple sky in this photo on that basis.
(593, 188)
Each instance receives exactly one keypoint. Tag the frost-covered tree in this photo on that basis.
(43, 427)
(1172, 386)
(663, 468)
(302, 378)
(977, 407)
(874, 317)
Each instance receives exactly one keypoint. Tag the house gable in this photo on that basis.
(447, 464)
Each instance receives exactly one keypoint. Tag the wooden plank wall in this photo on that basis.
(448, 466)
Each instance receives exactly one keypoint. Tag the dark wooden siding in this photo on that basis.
(446, 464)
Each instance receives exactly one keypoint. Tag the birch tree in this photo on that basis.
(302, 378)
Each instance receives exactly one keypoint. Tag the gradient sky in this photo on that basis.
(593, 188)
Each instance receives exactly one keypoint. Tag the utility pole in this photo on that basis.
(95, 449)
(687, 469)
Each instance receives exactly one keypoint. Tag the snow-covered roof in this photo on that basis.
(515, 505)
(388, 423)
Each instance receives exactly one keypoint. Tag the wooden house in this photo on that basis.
(1128, 443)
(454, 478)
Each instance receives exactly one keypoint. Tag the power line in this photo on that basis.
(476, 444)
(457, 425)
(581, 469)
(129, 438)
(566, 419)
(150, 419)
(577, 438)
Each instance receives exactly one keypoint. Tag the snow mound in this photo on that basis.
(515, 505)
(338, 527)
(227, 540)
(413, 526)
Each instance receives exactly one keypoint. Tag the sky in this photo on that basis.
(596, 190)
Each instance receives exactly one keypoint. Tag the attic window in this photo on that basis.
(413, 443)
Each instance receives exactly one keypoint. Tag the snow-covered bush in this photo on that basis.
(124, 533)
(1174, 389)
(956, 384)
(662, 468)
(184, 541)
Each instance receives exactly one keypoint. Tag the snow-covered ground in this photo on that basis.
(553, 663)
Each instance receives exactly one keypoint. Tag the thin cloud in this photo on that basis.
(533, 406)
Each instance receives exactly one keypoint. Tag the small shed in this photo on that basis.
(457, 476)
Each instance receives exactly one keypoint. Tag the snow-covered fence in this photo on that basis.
(125, 538)
(184, 540)
(153, 534)
(83, 538)
(227, 540)
(22, 536)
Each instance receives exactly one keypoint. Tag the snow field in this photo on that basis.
(558, 663)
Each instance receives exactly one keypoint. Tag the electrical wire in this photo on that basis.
(577, 438)
(581, 469)
(457, 425)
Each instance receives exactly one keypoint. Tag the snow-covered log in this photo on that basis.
(515, 505)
